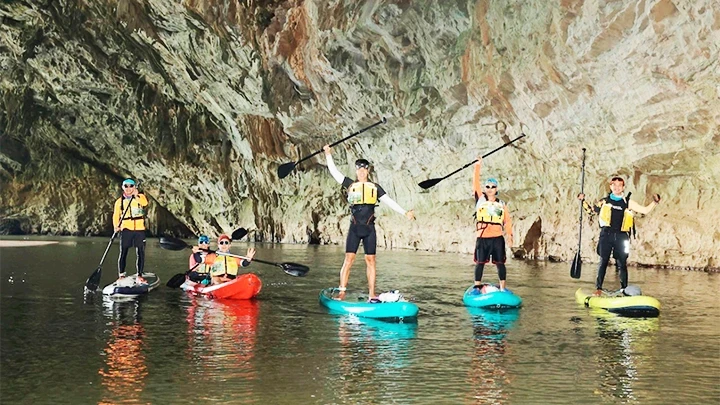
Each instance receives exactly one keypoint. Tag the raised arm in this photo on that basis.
(476, 178)
(633, 206)
(339, 177)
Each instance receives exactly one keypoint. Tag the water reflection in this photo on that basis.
(125, 370)
(623, 343)
(487, 374)
(370, 348)
(222, 336)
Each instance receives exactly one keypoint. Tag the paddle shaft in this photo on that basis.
(344, 139)
(484, 156)
(582, 191)
(473, 162)
(115, 233)
(219, 253)
(241, 257)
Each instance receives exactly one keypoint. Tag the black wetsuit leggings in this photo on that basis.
(129, 239)
(502, 271)
(617, 243)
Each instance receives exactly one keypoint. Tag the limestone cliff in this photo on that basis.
(202, 100)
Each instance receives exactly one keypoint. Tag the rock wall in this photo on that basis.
(202, 100)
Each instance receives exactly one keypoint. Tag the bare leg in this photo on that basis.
(370, 262)
(502, 285)
(345, 272)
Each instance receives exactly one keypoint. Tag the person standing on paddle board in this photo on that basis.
(199, 271)
(362, 196)
(616, 212)
(225, 268)
(131, 227)
(493, 223)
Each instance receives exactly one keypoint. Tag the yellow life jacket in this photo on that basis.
(224, 265)
(134, 218)
(136, 211)
(490, 212)
(202, 268)
(606, 209)
(362, 193)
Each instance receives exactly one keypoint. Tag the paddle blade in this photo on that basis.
(285, 169)
(576, 267)
(169, 243)
(176, 281)
(294, 269)
(239, 234)
(93, 282)
(429, 183)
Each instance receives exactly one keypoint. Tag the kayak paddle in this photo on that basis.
(431, 182)
(293, 269)
(576, 266)
(93, 282)
(287, 168)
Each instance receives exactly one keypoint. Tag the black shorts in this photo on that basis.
(486, 248)
(130, 239)
(364, 233)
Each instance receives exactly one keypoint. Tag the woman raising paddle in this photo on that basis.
(492, 222)
(362, 196)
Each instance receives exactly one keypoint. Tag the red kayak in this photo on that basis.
(244, 287)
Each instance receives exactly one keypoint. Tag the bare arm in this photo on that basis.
(633, 206)
(476, 178)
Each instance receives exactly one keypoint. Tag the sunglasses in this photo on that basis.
(128, 186)
(225, 242)
(203, 243)
(490, 186)
(362, 167)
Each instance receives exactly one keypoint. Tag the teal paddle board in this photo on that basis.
(497, 299)
(400, 310)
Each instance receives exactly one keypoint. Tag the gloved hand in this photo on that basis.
(656, 198)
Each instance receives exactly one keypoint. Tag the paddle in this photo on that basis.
(293, 269)
(177, 280)
(176, 244)
(287, 168)
(576, 266)
(431, 182)
(93, 281)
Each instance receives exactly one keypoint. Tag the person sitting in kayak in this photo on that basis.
(362, 196)
(225, 268)
(199, 271)
(131, 227)
(616, 217)
(493, 223)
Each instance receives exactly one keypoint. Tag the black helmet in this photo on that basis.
(362, 163)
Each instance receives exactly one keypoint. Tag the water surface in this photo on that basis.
(171, 348)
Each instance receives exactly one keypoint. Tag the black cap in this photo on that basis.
(362, 163)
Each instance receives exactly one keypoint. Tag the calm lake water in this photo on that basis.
(58, 347)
